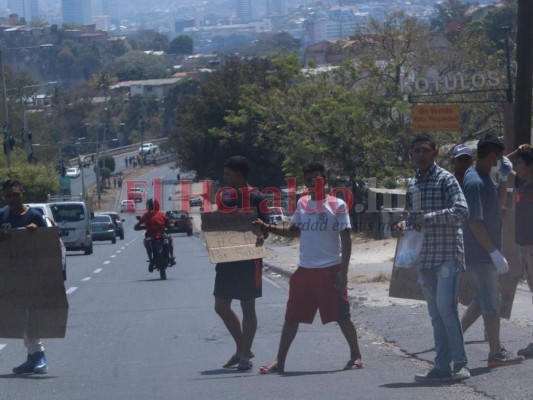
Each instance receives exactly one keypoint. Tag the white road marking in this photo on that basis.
(113, 256)
(2, 346)
(86, 279)
(106, 262)
(98, 270)
(123, 248)
(71, 290)
(271, 282)
(118, 251)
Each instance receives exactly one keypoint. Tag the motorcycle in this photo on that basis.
(159, 249)
(160, 255)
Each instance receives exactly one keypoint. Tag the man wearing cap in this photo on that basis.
(461, 160)
(482, 243)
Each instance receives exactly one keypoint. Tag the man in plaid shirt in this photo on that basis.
(437, 207)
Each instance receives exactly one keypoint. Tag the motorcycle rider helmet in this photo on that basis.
(152, 205)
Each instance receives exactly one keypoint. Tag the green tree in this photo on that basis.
(450, 17)
(182, 45)
(38, 181)
(136, 65)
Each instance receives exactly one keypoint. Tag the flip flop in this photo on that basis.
(245, 365)
(354, 364)
(234, 360)
(269, 369)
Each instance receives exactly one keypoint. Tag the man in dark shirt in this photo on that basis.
(483, 242)
(18, 215)
(523, 156)
(461, 160)
(241, 280)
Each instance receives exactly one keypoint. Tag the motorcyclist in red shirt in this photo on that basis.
(155, 221)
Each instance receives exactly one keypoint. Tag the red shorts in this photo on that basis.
(312, 289)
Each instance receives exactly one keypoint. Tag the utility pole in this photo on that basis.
(524, 79)
(8, 141)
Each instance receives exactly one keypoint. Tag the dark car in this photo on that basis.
(195, 202)
(103, 228)
(119, 228)
(181, 222)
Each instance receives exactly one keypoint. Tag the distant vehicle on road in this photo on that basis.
(103, 228)
(276, 215)
(127, 206)
(195, 201)
(136, 194)
(180, 221)
(46, 212)
(148, 148)
(73, 172)
(119, 229)
(74, 221)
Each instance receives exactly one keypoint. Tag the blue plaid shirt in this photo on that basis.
(439, 200)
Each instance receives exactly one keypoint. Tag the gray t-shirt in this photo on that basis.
(483, 205)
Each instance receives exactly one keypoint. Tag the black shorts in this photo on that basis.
(241, 280)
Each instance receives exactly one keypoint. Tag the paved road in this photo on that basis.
(131, 336)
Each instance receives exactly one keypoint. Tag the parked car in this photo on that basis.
(119, 228)
(73, 172)
(148, 148)
(46, 212)
(180, 221)
(103, 228)
(127, 206)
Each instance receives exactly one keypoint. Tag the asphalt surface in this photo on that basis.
(132, 336)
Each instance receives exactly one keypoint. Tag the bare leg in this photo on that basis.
(350, 333)
(470, 316)
(249, 327)
(223, 309)
(492, 326)
(288, 333)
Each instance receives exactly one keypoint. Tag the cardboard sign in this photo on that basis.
(436, 118)
(232, 237)
(32, 293)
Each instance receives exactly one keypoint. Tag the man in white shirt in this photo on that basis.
(323, 225)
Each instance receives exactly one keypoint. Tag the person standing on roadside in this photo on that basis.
(461, 160)
(239, 280)
(320, 282)
(483, 242)
(17, 215)
(523, 158)
(437, 207)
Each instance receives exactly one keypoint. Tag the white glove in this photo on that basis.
(499, 261)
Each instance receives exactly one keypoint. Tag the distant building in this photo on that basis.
(276, 7)
(111, 8)
(181, 23)
(157, 88)
(250, 10)
(76, 11)
(27, 9)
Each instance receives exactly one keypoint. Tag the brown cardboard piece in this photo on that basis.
(32, 293)
(231, 236)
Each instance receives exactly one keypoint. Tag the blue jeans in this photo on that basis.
(440, 287)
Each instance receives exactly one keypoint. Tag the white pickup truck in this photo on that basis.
(148, 148)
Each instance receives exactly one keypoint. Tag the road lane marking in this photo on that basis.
(71, 290)
(98, 270)
(271, 282)
(2, 346)
(113, 256)
(106, 262)
(123, 248)
(86, 279)
(118, 251)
